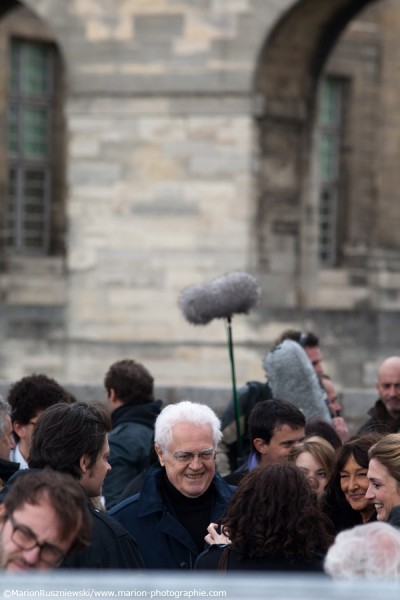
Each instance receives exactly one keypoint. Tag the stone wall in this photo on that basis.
(162, 154)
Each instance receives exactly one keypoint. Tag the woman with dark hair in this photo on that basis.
(344, 501)
(274, 523)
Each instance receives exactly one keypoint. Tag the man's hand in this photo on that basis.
(213, 537)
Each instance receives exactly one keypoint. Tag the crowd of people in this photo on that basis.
(277, 484)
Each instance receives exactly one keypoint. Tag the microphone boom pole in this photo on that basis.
(233, 293)
(234, 388)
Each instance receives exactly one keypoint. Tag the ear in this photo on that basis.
(3, 513)
(260, 445)
(113, 401)
(159, 451)
(19, 429)
(84, 463)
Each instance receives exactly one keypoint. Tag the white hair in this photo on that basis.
(5, 409)
(185, 412)
(370, 551)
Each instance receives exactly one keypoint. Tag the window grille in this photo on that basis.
(330, 126)
(29, 147)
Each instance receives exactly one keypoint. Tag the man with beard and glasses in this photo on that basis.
(43, 519)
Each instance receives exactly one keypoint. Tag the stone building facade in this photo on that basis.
(184, 142)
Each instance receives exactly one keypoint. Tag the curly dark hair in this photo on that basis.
(35, 393)
(274, 512)
(131, 382)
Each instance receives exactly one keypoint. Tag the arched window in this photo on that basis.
(31, 68)
(32, 172)
(303, 229)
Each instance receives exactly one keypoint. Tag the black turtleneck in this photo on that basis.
(193, 513)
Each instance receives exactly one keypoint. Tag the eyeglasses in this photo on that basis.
(188, 457)
(26, 539)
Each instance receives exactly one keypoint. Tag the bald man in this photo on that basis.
(385, 415)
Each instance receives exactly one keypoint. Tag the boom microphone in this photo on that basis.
(220, 298)
(292, 377)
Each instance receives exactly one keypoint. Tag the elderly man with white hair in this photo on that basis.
(181, 495)
(370, 551)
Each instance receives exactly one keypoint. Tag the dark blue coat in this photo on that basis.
(394, 517)
(162, 541)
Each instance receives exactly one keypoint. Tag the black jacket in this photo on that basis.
(111, 547)
(130, 442)
(209, 560)
(380, 420)
(12, 478)
(7, 468)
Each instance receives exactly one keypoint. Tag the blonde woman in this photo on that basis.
(315, 457)
(384, 478)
